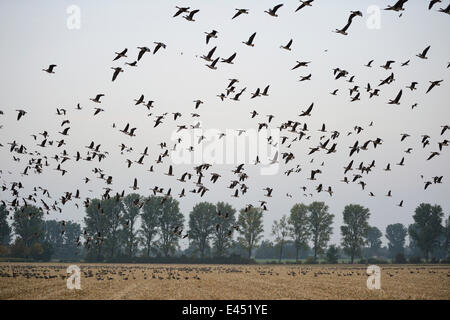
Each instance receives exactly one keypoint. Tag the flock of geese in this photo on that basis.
(33, 158)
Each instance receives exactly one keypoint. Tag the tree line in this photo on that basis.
(136, 227)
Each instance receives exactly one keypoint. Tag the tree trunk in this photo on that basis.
(249, 252)
(296, 254)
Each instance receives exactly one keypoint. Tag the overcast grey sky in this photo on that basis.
(34, 35)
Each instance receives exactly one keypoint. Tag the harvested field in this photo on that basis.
(128, 281)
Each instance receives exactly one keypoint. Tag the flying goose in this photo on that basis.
(434, 84)
(307, 112)
(304, 4)
(181, 10)
(158, 46)
(423, 55)
(208, 57)
(249, 42)
(398, 6)
(230, 59)
(117, 70)
(142, 50)
(287, 46)
(190, 16)
(432, 3)
(50, 68)
(209, 35)
(20, 114)
(273, 11)
(121, 54)
(213, 64)
(239, 12)
(397, 98)
(301, 64)
(135, 186)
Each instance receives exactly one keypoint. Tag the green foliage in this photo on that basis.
(355, 229)
(280, 230)
(400, 258)
(28, 224)
(131, 212)
(5, 229)
(19, 249)
(298, 227)
(222, 237)
(149, 224)
(202, 223)
(332, 255)
(169, 218)
(396, 234)
(64, 245)
(320, 225)
(4, 251)
(250, 228)
(374, 240)
(427, 227)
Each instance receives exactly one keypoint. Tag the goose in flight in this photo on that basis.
(432, 155)
(180, 11)
(121, 54)
(209, 35)
(423, 55)
(213, 64)
(239, 12)
(190, 16)
(301, 64)
(20, 114)
(273, 11)
(142, 50)
(132, 64)
(369, 64)
(398, 6)
(432, 3)
(304, 4)
(117, 70)
(397, 99)
(343, 31)
(198, 103)
(249, 42)
(266, 92)
(446, 10)
(158, 46)
(353, 14)
(97, 98)
(140, 100)
(412, 86)
(97, 111)
(307, 112)
(287, 46)
(230, 59)
(208, 57)
(434, 84)
(135, 186)
(387, 66)
(305, 78)
(50, 68)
